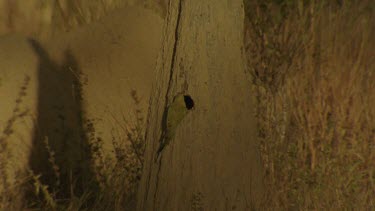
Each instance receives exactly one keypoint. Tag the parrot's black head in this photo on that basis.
(189, 103)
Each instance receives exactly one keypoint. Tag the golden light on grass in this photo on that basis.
(317, 124)
(313, 70)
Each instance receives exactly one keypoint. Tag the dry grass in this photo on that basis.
(314, 71)
(30, 191)
(314, 76)
(41, 18)
(124, 170)
(10, 188)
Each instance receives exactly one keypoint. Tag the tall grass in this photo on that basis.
(11, 183)
(40, 18)
(313, 70)
(313, 65)
(115, 180)
(118, 183)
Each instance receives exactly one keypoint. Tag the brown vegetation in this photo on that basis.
(314, 78)
(314, 72)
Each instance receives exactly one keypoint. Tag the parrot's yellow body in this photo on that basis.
(174, 114)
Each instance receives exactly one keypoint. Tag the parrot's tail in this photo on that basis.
(161, 146)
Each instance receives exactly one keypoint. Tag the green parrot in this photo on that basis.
(173, 116)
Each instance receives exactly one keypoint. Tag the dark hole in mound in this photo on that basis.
(189, 103)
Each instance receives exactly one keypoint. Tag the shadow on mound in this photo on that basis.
(60, 149)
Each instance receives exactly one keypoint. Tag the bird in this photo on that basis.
(173, 115)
